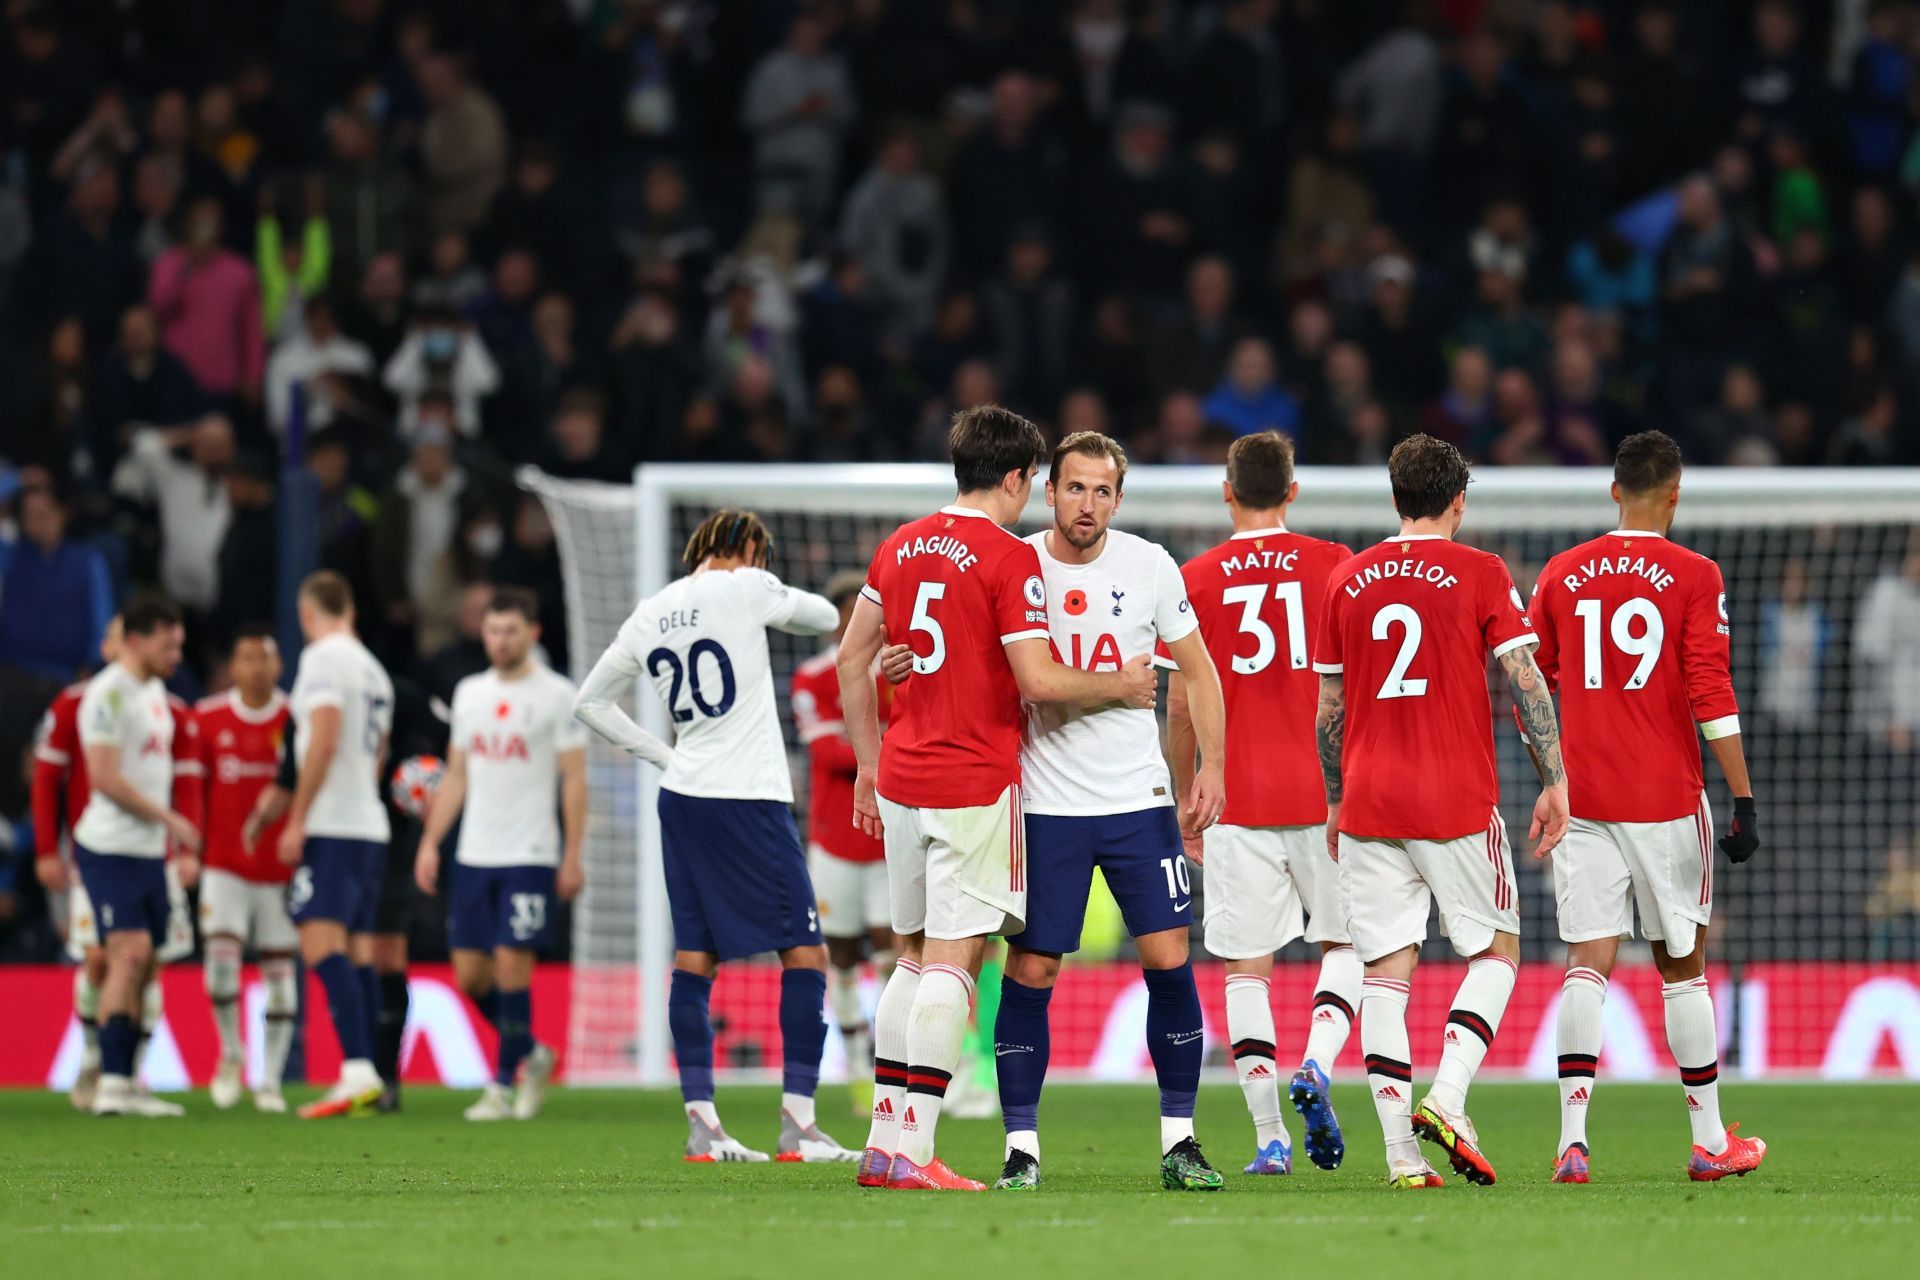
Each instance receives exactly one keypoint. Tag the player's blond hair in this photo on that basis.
(1090, 444)
(726, 533)
(328, 592)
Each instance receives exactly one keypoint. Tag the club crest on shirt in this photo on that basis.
(1118, 596)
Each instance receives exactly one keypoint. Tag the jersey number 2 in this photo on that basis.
(1396, 685)
(667, 659)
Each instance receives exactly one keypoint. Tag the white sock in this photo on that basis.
(223, 989)
(704, 1112)
(283, 1002)
(1334, 1001)
(1582, 997)
(86, 1007)
(890, 1021)
(1024, 1140)
(153, 1008)
(936, 1030)
(359, 1074)
(843, 994)
(1696, 1050)
(1250, 1032)
(1173, 1131)
(1389, 1058)
(1471, 1025)
(800, 1107)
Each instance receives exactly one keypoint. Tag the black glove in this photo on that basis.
(1743, 834)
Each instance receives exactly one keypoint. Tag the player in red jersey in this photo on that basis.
(848, 866)
(1406, 749)
(1633, 631)
(1259, 597)
(60, 793)
(967, 595)
(243, 888)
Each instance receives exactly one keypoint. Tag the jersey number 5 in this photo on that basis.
(1645, 646)
(668, 660)
(1250, 598)
(923, 621)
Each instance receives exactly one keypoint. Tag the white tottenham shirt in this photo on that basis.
(703, 642)
(513, 733)
(121, 711)
(1101, 614)
(337, 671)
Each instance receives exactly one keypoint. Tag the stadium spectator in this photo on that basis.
(1464, 411)
(316, 360)
(1012, 173)
(896, 224)
(377, 316)
(207, 300)
(414, 582)
(55, 595)
(291, 272)
(1136, 215)
(248, 564)
(442, 354)
(189, 494)
(372, 203)
(1794, 640)
(81, 262)
(1030, 314)
(463, 146)
(1887, 679)
(1190, 350)
(798, 108)
(1249, 397)
(577, 445)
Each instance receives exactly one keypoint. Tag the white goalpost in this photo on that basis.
(1803, 553)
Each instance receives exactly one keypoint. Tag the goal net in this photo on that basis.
(1814, 944)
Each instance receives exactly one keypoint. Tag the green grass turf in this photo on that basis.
(596, 1186)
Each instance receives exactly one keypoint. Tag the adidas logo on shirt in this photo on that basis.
(1388, 1094)
(1579, 1097)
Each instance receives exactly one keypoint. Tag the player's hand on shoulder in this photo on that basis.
(896, 662)
(1140, 683)
(426, 867)
(1550, 819)
(866, 804)
(51, 870)
(1742, 839)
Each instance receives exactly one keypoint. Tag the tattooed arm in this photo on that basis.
(1533, 703)
(1330, 731)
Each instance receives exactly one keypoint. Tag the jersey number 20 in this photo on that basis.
(668, 660)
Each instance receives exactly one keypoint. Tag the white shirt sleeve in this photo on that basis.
(103, 714)
(785, 608)
(597, 705)
(1172, 615)
(320, 683)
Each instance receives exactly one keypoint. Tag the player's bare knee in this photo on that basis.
(808, 957)
(1164, 950)
(1395, 964)
(1597, 955)
(1505, 945)
(1679, 968)
(844, 953)
(701, 964)
(1258, 966)
(390, 952)
(512, 968)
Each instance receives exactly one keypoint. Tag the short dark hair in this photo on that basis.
(1260, 470)
(1090, 444)
(252, 631)
(988, 441)
(329, 592)
(148, 612)
(844, 586)
(518, 600)
(1427, 474)
(726, 533)
(1645, 462)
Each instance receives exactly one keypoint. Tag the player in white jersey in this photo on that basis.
(736, 876)
(515, 745)
(1097, 793)
(120, 841)
(336, 830)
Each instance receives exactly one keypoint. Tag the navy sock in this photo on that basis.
(370, 1001)
(489, 1007)
(346, 1005)
(803, 1029)
(692, 1033)
(516, 1032)
(390, 1026)
(1022, 1044)
(1174, 1037)
(117, 1038)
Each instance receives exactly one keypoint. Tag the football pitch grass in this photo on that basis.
(596, 1187)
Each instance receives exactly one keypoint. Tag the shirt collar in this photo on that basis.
(1415, 537)
(255, 715)
(965, 511)
(1258, 533)
(1635, 533)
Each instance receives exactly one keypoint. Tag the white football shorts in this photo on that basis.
(1389, 885)
(957, 873)
(851, 896)
(1604, 871)
(1266, 886)
(246, 910)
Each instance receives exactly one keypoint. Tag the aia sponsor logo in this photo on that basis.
(909, 1124)
(154, 746)
(1580, 1097)
(499, 746)
(1389, 1093)
(1105, 652)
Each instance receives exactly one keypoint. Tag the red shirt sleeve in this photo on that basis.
(52, 760)
(1704, 655)
(1547, 656)
(1020, 596)
(1503, 615)
(189, 773)
(1329, 647)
